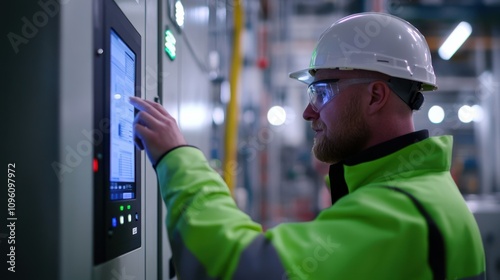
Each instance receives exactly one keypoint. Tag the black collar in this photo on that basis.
(338, 185)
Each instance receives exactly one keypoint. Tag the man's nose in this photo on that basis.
(309, 113)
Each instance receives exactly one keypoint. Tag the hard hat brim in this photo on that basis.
(306, 77)
(303, 75)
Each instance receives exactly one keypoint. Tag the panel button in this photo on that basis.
(114, 223)
(129, 218)
(122, 220)
(136, 216)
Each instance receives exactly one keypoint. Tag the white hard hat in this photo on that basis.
(376, 42)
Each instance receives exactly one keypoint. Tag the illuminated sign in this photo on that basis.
(179, 13)
(170, 41)
(176, 13)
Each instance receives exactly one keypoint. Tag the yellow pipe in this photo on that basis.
(230, 163)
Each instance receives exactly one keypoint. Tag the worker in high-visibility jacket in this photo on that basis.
(396, 212)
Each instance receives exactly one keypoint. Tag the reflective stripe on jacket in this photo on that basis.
(370, 232)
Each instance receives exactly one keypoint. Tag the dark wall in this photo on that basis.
(29, 75)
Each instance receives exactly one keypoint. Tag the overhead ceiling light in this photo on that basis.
(276, 115)
(466, 114)
(478, 113)
(218, 115)
(436, 114)
(455, 40)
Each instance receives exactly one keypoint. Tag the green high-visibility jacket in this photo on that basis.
(396, 214)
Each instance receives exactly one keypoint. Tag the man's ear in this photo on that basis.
(379, 95)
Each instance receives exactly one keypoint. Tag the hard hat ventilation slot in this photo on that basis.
(383, 60)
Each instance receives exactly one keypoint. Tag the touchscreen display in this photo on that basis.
(122, 150)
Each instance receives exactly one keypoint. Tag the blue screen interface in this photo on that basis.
(122, 149)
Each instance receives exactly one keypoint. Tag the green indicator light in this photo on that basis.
(121, 207)
(128, 207)
(170, 42)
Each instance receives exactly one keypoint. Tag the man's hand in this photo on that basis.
(155, 130)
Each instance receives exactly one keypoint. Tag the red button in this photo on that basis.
(95, 165)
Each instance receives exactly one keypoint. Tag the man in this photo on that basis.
(396, 212)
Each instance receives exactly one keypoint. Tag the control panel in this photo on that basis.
(117, 188)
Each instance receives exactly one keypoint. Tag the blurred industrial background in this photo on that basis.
(220, 67)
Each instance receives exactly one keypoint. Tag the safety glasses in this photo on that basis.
(323, 91)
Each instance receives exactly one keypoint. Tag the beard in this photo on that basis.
(347, 138)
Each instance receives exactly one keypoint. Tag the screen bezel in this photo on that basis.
(108, 244)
